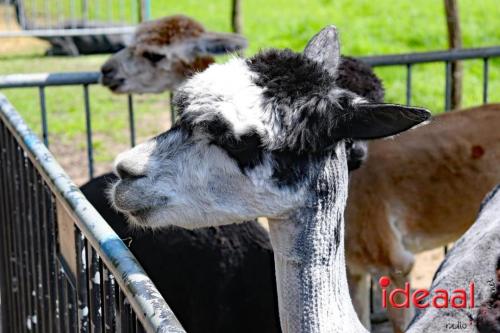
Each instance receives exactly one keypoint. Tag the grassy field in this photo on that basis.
(367, 27)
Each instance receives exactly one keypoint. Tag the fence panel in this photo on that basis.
(50, 18)
(62, 268)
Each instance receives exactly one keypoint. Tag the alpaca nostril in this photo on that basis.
(107, 70)
(126, 173)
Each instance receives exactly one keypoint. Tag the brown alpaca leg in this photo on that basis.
(359, 289)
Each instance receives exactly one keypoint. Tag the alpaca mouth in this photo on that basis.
(112, 83)
(116, 85)
(140, 212)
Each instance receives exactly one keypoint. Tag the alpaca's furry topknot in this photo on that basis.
(168, 30)
(307, 100)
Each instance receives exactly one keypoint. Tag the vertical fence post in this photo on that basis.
(131, 119)
(455, 42)
(144, 10)
(485, 80)
(88, 125)
(237, 20)
(408, 84)
(447, 87)
(43, 109)
(236, 17)
(85, 11)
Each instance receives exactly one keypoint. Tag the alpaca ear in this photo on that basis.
(374, 121)
(212, 43)
(324, 48)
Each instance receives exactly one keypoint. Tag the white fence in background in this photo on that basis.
(52, 18)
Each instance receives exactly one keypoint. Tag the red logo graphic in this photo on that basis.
(440, 298)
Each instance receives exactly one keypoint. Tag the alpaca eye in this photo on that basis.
(153, 57)
(247, 151)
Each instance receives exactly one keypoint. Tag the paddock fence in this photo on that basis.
(41, 270)
(62, 268)
(58, 18)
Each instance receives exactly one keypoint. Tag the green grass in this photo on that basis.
(367, 27)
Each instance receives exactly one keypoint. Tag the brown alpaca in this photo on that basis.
(164, 53)
(415, 192)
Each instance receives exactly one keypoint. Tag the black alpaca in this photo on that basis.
(221, 279)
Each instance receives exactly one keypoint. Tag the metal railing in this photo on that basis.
(50, 18)
(62, 268)
(447, 57)
(84, 79)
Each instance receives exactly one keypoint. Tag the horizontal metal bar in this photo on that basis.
(48, 79)
(77, 78)
(69, 32)
(436, 56)
(149, 305)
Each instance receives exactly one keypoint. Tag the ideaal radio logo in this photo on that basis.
(422, 298)
(461, 298)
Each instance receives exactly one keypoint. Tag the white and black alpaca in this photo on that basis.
(265, 137)
(473, 257)
(238, 258)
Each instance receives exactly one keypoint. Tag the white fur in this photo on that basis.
(228, 90)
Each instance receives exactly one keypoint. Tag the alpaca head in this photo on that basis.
(164, 53)
(250, 137)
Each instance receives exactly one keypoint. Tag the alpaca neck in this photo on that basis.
(309, 258)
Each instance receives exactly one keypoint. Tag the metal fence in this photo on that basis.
(40, 204)
(447, 57)
(62, 268)
(49, 18)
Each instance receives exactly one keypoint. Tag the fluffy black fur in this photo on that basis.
(302, 94)
(299, 88)
(358, 77)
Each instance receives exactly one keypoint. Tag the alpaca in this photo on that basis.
(416, 192)
(214, 255)
(163, 53)
(472, 258)
(265, 137)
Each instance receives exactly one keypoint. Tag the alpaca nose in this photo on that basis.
(108, 70)
(126, 172)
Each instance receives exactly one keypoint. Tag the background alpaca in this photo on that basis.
(163, 53)
(472, 258)
(237, 258)
(416, 192)
(264, 137)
